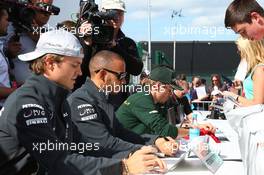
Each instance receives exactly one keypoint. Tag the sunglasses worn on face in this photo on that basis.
(119, 76)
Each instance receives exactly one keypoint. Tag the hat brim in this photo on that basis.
(30, 56)
(176, 87)
(122, 9)
(36, 54)
(113, 7)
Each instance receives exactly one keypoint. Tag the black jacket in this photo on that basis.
(95, 118)
(37, 116)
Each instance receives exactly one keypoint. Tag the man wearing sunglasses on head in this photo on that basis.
(95, 116)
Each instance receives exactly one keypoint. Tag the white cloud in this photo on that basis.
(202, 21)
(216, 20)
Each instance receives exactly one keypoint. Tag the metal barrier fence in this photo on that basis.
(213, 107)
(202, 105)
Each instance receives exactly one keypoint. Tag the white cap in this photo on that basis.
(58, 42)
(113, 4)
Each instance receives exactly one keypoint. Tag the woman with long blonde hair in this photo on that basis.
(253, 52)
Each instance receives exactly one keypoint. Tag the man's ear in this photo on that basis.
(102, 75)
(49, 62)
(257, 17)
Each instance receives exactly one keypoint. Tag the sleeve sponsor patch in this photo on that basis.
(33, 114)
(86, 112)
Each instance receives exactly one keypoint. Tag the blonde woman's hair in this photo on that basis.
(252, 51)
(38, 66)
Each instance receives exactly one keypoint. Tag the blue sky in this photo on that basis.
(202, 19)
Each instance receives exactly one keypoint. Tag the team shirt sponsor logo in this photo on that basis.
(87, 111)
(36, 121)
(34, 113)
(32, 106)
(90, 117)
(83, 106)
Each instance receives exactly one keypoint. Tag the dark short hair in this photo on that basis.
(203, 81)
(239, 11)
(103, 59)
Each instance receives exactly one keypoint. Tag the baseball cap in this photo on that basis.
(162, 74)
(58, 42)
(175, 86)
(113, 4)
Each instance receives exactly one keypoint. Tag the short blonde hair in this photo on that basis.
(252, 51)
(38, 66)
